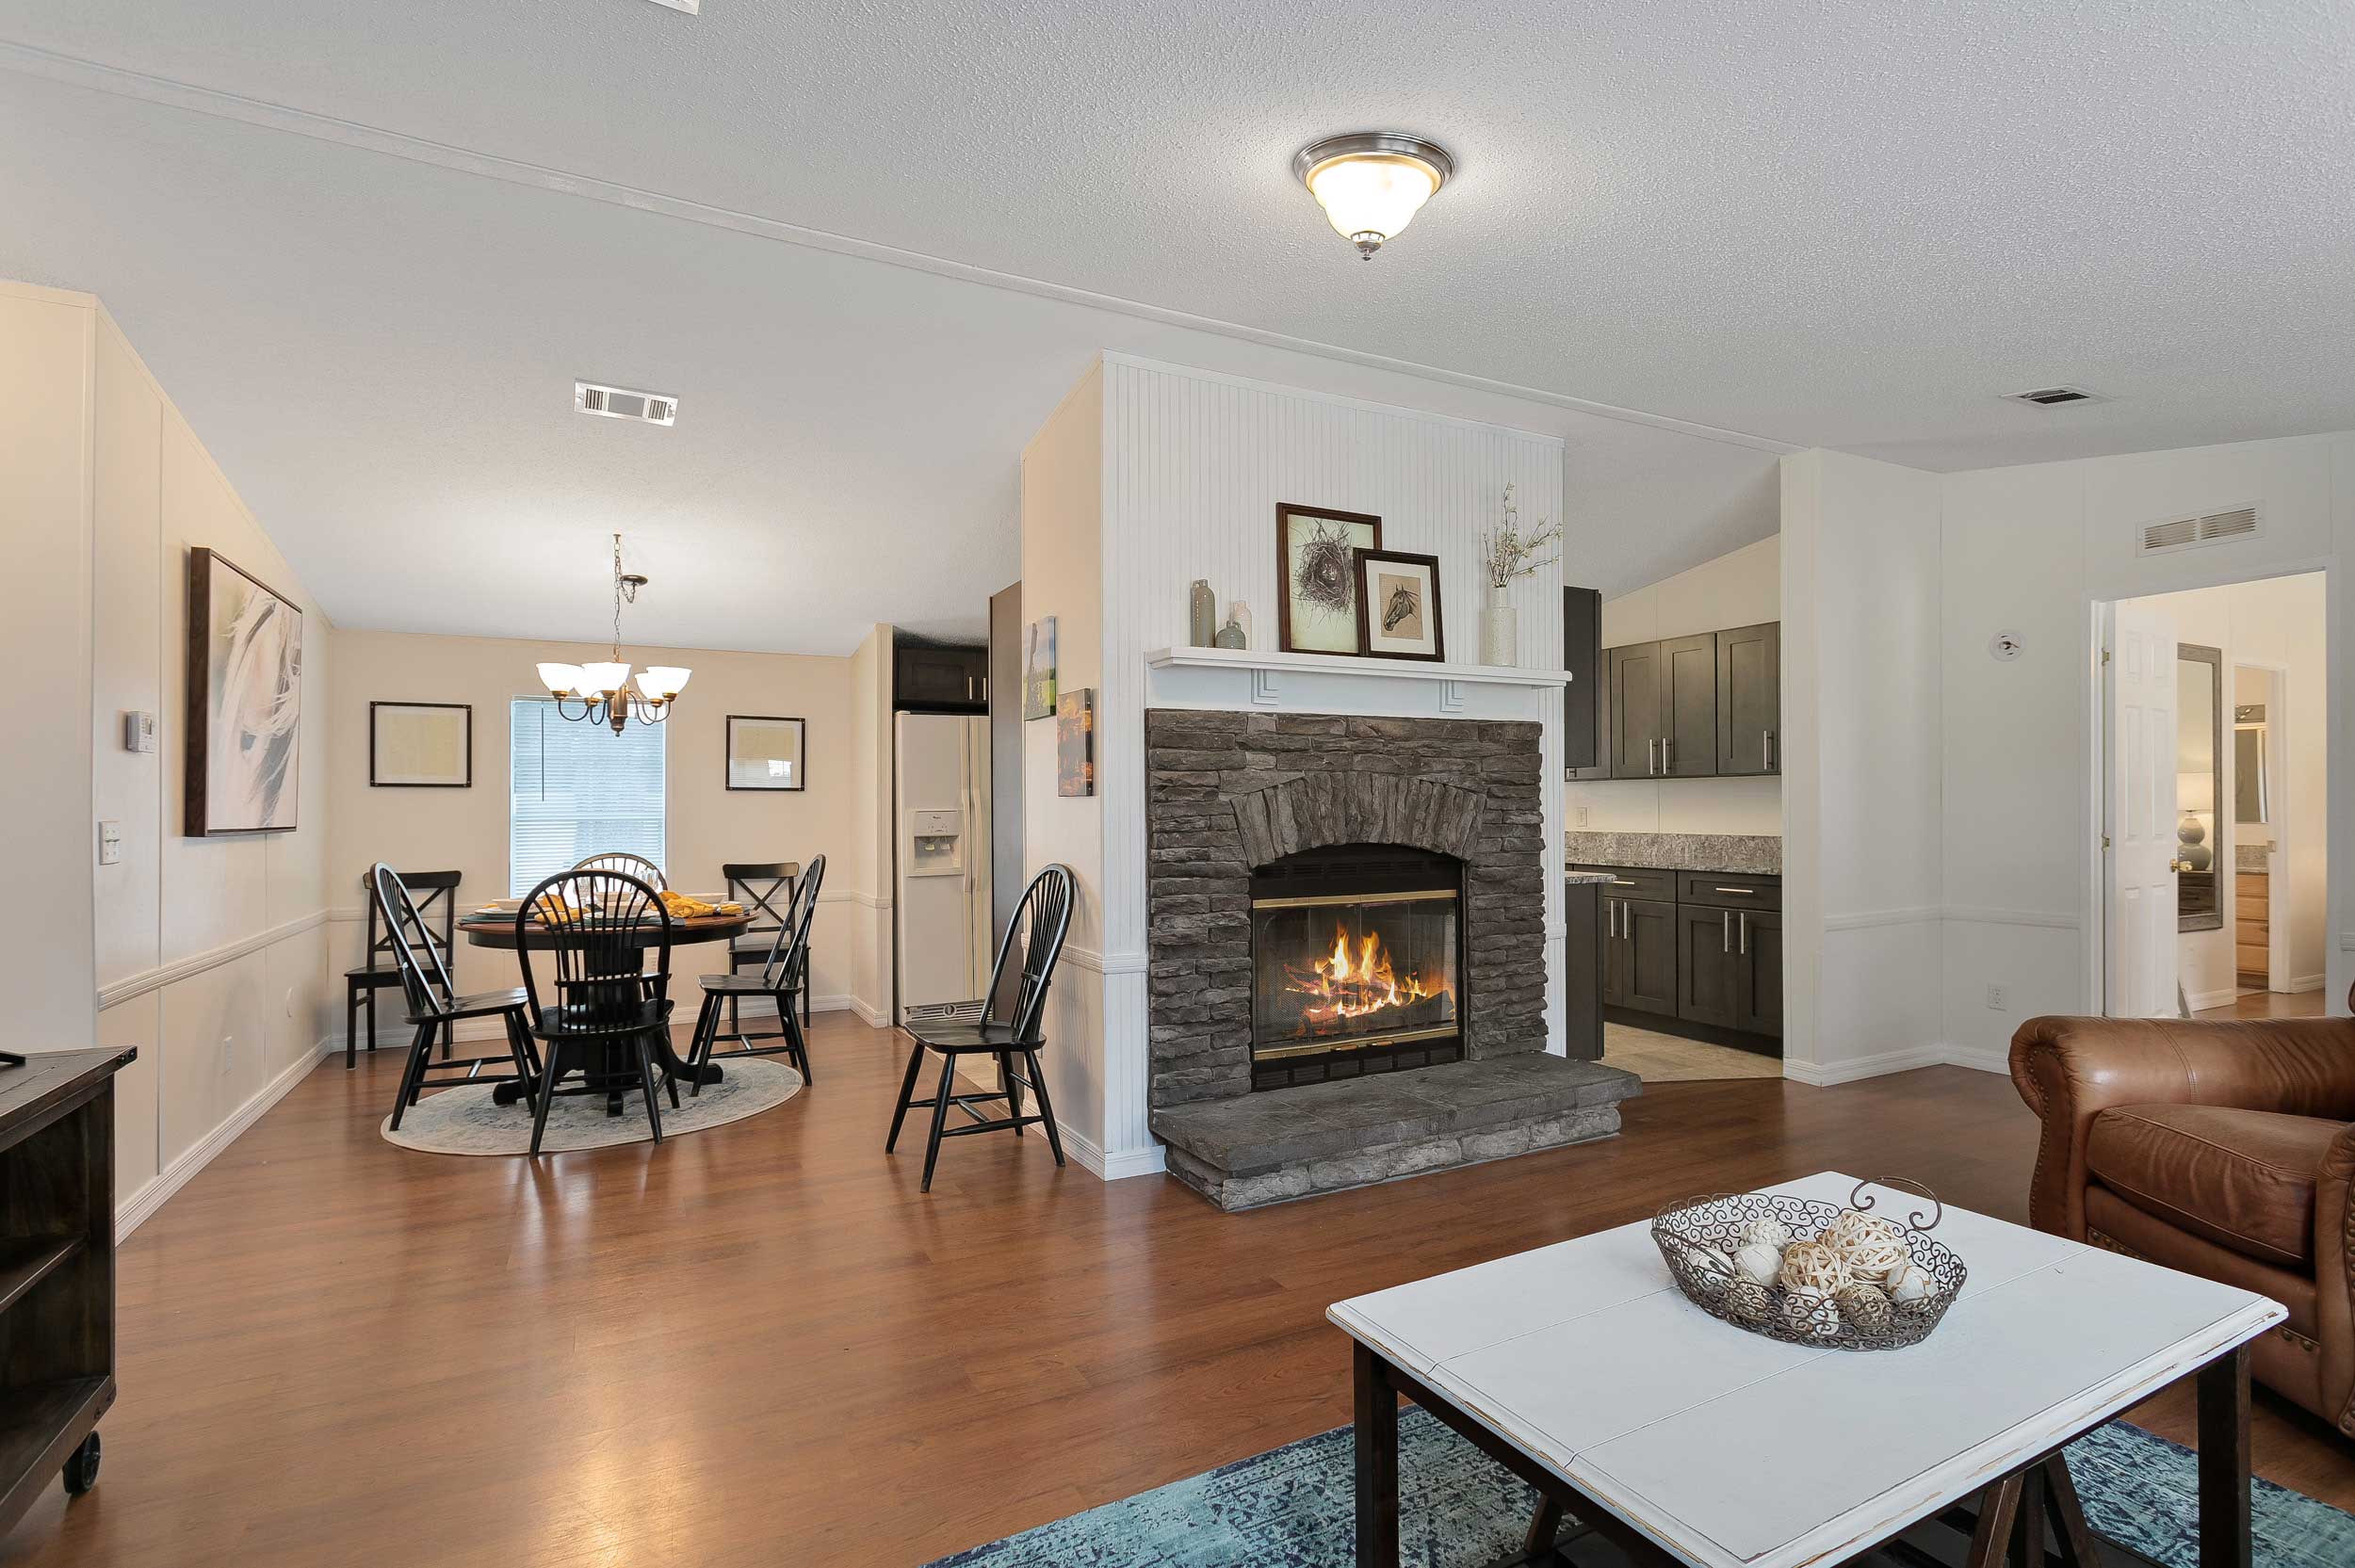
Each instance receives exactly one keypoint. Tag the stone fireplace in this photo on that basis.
(1346, 951)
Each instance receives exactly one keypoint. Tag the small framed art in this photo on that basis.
(1316, 604)
(1075, 742)
(421, 745)
(766, 752)
(1398, 605)
(1038, 668)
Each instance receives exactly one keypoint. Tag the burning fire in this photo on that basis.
(1349, 983)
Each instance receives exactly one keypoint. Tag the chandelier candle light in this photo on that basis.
(604, 690)
(1506, 555)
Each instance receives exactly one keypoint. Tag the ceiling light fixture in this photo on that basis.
(1370, 185)
(604, 689)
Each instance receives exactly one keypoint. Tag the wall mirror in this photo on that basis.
(2200, 850)
(2251, 795)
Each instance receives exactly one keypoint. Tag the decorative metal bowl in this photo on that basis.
(1698, 1237)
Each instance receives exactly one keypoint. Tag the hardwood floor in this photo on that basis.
(2269, 1004)
(758, 1345)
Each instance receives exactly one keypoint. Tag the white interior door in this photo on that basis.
(2138, 805)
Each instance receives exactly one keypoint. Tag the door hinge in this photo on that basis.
(2105, 841)
(2105, 655)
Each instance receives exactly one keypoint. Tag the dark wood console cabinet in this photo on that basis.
(57, 1270)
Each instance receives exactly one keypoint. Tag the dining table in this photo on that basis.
(494, 926)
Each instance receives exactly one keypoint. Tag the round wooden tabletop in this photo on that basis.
(498, 930)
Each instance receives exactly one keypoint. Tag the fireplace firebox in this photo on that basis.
(1357, 963)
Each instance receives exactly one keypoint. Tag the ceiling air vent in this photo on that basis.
(693, 8)
(2054, 397)
(2189, 533)
(616, 402)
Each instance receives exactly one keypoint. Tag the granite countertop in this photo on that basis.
(1746, 854)
(1575, 878)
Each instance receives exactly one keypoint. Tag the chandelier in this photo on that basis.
(604, 691)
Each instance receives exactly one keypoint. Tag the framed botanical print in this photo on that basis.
(1398, 605)
(1316, 602)
(421, 745)
(244, 707)
(766, 754)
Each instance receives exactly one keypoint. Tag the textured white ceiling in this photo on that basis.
(1847, 224)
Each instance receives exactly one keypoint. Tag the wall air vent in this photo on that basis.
(614, 402)
(2054, 397)
(2189, 533)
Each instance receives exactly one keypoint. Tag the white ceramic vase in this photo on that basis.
(1500, 629)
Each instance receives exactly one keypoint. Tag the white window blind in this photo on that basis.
(579, 789)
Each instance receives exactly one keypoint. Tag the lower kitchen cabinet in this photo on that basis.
(1758, 991)
(1708, 980)
(1697, 948)
(1640, 955)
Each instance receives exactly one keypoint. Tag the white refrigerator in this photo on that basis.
(940, 852)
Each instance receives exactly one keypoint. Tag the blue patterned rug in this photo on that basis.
(1293, 1508)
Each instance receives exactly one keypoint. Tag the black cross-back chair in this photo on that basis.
(780, 978)
(768, 887)
(603, 1011)
(1039, 925)
(377, 969)
(436, 1009)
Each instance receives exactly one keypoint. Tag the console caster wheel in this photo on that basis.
(81, 1467)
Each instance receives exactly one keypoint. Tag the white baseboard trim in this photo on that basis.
(1111, 1168)
(135, 1210)
(2308, 982)
(1886, 1063)
(873, 1017)
(2200, 1001)
(1878, 1065)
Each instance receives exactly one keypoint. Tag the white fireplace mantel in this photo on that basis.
(1236, 678)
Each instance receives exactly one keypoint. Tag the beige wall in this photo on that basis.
(466, 830)
(870, 825)
(207, 955)
(1743, 588)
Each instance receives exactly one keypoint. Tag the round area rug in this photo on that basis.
(464, 1122)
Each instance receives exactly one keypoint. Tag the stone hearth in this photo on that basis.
(1226, 792)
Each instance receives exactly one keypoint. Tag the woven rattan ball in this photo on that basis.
(1909, 1282)
(1811, 1266)
(1759, 1263)
(1866, 1307)
(1870, 1254)
(1765, 1231)
(1853, 1227)
(1749, 1302)
(1811, 1311)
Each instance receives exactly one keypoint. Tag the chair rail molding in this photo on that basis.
(146, 980)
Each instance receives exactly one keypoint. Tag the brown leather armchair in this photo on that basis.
(2222, 1149)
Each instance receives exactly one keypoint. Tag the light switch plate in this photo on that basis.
(110, 843)
(139, 732)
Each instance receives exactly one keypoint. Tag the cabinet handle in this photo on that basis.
(969, 688)
(1727, 938)
(984, 688)
(1746, 935)
(1652, 757)
(1622, 882)
(1767, 749)
(1668, 754)
(1751, 891)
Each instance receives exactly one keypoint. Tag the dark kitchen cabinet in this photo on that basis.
(1640, 955)
(1663, 708)
(1757, 980)
(1585, 729)
(1750, 700)
(931, 679)
(1587, 953)
(1708, 988)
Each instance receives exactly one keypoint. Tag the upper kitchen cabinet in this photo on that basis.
(1750, 700)
(1663, 708)
(929, 678)
(1585, 714)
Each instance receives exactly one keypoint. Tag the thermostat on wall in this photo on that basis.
(2005, 646)
(139, 732)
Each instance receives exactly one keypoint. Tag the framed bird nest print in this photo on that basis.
(1316, 609)
(1397, 605)
(244, 711)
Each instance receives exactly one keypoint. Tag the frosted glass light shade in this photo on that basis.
(597, 679)
(662, 682)
(561, 679)
(1372, 195)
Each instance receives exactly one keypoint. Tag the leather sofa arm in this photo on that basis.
(2335, 1279)
(2070, 1070)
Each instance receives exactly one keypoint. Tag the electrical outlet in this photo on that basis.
(110, 843)
(1582, 816)
(1998, 997)
(290, 1001)
(228, 1050)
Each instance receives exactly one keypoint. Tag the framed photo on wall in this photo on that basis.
(1316, 599)
(1038, 668)
(1398, 605)
(421, 745)
(766, 752)
(244, 710)
(1075, 742)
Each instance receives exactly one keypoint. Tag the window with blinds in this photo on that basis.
(577, 789)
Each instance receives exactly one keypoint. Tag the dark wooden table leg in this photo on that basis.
(2068, 1516)
(2027, 1525)
(2224, 1524)
(1999, 1505)
(1544, 1528)
(1377, 1461)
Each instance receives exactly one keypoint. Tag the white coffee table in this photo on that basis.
(1682, 1439)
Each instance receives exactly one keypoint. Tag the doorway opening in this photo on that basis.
(2213, 795)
